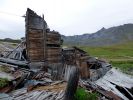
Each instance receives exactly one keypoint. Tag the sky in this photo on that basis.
(69, 17)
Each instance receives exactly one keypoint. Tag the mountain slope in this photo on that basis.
(103, 37)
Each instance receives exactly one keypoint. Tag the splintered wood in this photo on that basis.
(55, 88)
(39, 95)
(46, 71)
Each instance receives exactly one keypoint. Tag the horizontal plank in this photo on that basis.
(14, 62)
(35, 34)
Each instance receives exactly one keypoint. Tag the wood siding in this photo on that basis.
(42, 44)
(35, 37)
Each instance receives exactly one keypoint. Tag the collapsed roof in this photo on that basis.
(39, 65)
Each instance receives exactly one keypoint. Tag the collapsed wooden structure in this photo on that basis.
(42, 45)
(40, 59)
(43, 48)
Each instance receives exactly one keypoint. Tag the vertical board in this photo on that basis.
(35, 37)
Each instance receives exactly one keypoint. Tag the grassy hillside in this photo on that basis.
(10, 40)
(103, 37)
(120, 56)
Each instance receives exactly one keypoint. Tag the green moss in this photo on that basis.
(82, 94)
(3, 82)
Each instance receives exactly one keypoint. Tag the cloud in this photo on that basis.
(69, 17)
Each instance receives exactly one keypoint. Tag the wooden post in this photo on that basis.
(72, 84)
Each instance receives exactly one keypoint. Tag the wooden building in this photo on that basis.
(76, 57)
(53, 43)
(44, 50)
(42, 45)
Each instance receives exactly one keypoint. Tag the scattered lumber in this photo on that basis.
(13, 62)
(45, 71)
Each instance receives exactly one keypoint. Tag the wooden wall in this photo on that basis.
(41, 45)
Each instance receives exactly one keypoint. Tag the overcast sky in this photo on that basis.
(69, 17)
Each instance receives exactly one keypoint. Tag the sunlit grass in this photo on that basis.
(82, 94)
(125, 66)
(120, 56)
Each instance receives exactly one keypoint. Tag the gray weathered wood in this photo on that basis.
(72, 84)
(13, 62)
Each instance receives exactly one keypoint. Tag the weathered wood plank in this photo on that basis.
(35, 36)
(14, 62)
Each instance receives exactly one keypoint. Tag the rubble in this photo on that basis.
(118, 83)
(40, 69)
(6, 75)
(38, 95)
(4, 96)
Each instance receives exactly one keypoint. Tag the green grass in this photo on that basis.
(120, 56)
(3, 82)
(116, 51)
(125, 66)
(82, 94)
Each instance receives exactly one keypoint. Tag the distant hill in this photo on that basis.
(10, 40)
(103, 37)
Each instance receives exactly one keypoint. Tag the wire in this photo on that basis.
(11, 14)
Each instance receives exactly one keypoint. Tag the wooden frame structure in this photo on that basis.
(35, 37)
(42, 45)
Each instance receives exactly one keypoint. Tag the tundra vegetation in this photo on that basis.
(120, 55)
(82, 94)
(3, 82)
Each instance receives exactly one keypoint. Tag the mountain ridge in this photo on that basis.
(103, 37)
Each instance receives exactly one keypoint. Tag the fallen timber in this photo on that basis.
(43, 70)
(13, 62)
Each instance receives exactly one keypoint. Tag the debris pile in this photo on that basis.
(40, 69)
